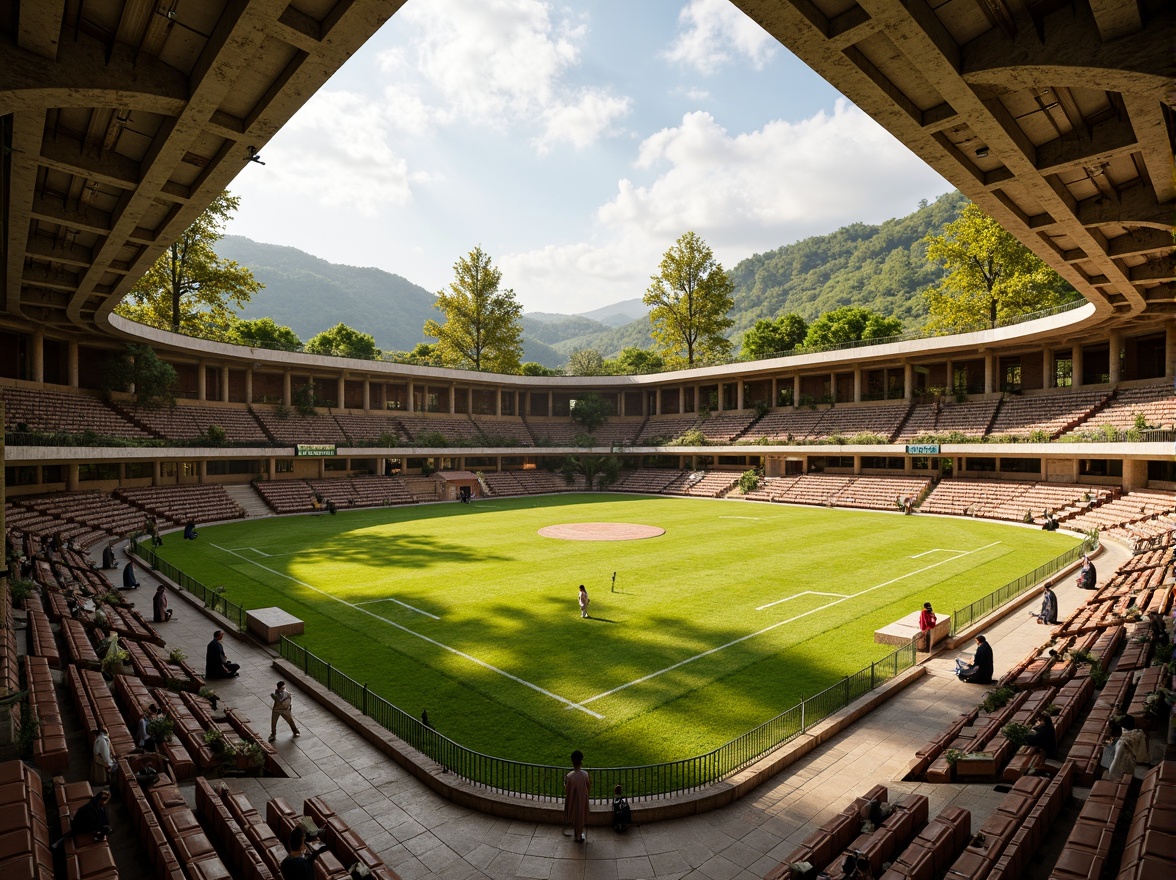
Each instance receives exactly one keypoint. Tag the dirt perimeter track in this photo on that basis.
(600, 531)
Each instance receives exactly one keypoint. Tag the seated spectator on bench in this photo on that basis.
(130, 582)
(190, 531)
(927, 621)
(143, 739)
(979, 671)
(216, 665)
(1087, 576)
(162, 614)
(108, 560)
(1131, 748)
(1044, 736)
(91, 818)
(1049, 607)
(299, 863)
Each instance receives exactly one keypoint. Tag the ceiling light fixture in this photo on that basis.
(982, 153)
(255, 156)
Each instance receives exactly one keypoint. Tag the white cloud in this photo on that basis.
(336, 151)
(499, 64)
(713, 32)
(744, 194)
(583, 122)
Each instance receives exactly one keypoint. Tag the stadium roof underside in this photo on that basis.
(120, 121)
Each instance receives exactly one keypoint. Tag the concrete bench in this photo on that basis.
(270, 624)
(902, 631)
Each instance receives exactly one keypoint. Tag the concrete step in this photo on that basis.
(245, 495)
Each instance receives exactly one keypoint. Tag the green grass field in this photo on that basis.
(735, 614)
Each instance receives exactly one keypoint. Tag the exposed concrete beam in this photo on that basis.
(1082, 147)
(38, 28)
(1115, 18)
(1147, 118)
(1135, 207)
(28, 127)
(1163, 269)
(77, 217)
(1140, 241)
(43, 248)
(109, 168)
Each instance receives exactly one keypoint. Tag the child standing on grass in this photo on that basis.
(583, 601)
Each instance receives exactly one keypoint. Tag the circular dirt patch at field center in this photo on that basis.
(600, 531)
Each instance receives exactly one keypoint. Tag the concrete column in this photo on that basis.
(775, 391)
(739, 394)
(796, 390)
(857, 464)
(857, 384)
(202, 470)
(71, 478)
(658, 401)
(833, 386)
(722, 389)
(498, 401)
(452, 398)
(410, 406)
(908, 381)
(287, 393)
(341, 392)
(322, 468)
(272, 464)
(1116, 357)
(1170, 349)
(367, 394)
(202, 381)
(71, 355)
(470, 402)
(989, 371)
(621, 404)
(550, 403)
(249, 384)
(698, 398)
(156, 472)
(950, 378)
(1076, 365)
(224, 389)
(1047, 368)
(37, 355)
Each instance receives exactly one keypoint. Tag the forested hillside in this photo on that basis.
(883, 268)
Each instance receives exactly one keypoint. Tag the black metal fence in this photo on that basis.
(544, 782)
(212, 597)
(964, 617)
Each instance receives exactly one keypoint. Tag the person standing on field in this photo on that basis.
(281, 709)
(583, 601)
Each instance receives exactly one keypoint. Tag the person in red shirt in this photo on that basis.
(926, 624)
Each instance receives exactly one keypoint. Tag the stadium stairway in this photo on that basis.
(246, 496)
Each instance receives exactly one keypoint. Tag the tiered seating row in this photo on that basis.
(1053, 413)
(970, 418)
(186, 422)
(85, 857)
(650, 481)
(1148, 851)
(880, 493)
(248, 860)
(1130, 508)
(146, 820)
(347, 846)
(49, 749)
(24, 824)
(96, 707)
(206, 502)
(48, 411)
(42, 642)
(1089, 844)
(1156, 403)
(134, 698)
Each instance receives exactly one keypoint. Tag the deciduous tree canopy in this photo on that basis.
(190, 289)
(344, 341)
(849, 324)
(689, 299)
(482, 328)
(263, 333)
(768, 337)
(990, 276)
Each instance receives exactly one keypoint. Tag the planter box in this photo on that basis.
(979, 764)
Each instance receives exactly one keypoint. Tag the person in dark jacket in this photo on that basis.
(130, 582)
(299, 864)
(979, 671)
(1044, 736)
(216, 665)
(91, 818)
(162, 614)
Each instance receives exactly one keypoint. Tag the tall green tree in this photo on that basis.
(585, 362)
(768, 337)
(189, 289)
(139, 367)
(633, 361)
(344, 341)
(483, 327)
(850, 324)
(990, 276)
(263, 333)
(689, 299)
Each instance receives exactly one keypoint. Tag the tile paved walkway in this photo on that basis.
(421, 835)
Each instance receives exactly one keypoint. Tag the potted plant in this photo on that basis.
(1016, 733)
(114, 662)
(216, 742)
(176, 656)
(209, 694)
(997, 698)
(161, 728)
(252, 756)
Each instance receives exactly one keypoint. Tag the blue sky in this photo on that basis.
(574, 142)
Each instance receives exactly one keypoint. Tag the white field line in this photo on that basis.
(798, 595)
(250, 549)
(568, 703)
(933, 550)
(773, 626)
(757, 518)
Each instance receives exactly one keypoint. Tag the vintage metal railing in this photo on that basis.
(964, 617)
(212, 597)
(543, 782)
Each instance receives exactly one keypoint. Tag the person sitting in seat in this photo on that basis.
(216, 665)
(130, 582)
(1044, 736)
(190, 531)
(979, 671)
